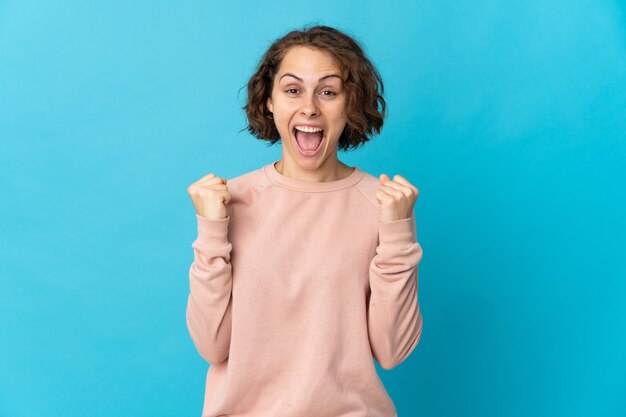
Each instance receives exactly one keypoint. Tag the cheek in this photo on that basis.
(339, 122)
(282, 125)
(281, 114)
(339, 115)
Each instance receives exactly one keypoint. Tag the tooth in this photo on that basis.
(308, 129)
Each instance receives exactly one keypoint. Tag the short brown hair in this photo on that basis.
(361, 81)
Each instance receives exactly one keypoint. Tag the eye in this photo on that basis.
(331, 93)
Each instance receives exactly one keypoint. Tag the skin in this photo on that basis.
(312, 101)
(309, 101)
(294, 102)
(396, 197)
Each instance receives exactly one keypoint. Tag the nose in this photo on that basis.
(309, 106)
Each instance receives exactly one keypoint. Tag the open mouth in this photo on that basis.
(308, 142)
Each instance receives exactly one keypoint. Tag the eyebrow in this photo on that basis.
(300, 79)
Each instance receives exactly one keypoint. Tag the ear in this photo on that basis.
(269, 105)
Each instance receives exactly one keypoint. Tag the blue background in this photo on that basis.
(509, 117)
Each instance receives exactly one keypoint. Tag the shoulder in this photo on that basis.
(243, 182)
(368, 186)
(243, 185)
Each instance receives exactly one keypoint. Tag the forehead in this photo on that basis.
(308, 63)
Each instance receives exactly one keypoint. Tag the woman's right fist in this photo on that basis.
(209, 196)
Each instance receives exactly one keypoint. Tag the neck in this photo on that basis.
(329, 171)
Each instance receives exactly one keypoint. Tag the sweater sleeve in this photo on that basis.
(209, 305)
(394, 317)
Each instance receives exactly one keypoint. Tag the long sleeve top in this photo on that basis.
(296, 292)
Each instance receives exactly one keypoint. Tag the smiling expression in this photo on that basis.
(307, 91)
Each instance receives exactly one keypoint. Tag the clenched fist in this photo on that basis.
(209, 196)
(396, 197)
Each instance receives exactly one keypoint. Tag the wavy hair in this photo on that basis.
(361, 82)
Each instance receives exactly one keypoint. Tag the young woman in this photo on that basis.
(305, 270)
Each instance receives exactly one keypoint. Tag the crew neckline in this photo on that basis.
(311, 186)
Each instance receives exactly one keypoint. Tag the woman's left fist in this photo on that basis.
(396, 197)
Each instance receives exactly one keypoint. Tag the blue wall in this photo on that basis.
(510, 118)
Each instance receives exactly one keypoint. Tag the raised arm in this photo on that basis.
(394, 317)
(209, 306)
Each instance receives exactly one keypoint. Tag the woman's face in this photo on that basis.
(307, 91)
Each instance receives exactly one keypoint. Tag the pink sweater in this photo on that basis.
(296, 292)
